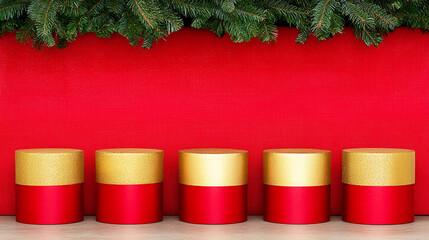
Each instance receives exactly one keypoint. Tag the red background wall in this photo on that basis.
(197, 90)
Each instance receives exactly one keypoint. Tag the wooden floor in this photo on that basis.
(171, 228)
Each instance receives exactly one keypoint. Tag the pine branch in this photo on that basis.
(290, 13)
(248, 13)
(302, 36)
(190, 8)
(144, 22)
(173, 21)
(269, 31)
(414, 14)
(216, 26)
(368, 37)
(228, 5)
(322, 14)
(9, 26)
(142, 9)
(12, 8)
(356, 14)
(115, 6)
(386, 21)
(44, 14)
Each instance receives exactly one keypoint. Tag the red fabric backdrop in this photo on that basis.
(197, 90)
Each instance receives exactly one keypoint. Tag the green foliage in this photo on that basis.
(12, 9)
(47, 23)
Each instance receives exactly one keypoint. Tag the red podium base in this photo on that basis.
(378, 204)
(129, 204)
(49, 204)
(296, 205)
(213, 205)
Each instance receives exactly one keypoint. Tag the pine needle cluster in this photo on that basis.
(58, 22)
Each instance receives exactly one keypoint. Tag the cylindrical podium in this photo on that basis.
(49, 185)
(378, 185)
(297, 185)
(129, 185)
(213, 186)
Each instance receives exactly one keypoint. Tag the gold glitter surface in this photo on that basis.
(48, 167)
(297, 167)
(128, 166)
(213, 167)
(378, 166)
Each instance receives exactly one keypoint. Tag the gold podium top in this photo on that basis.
(378, 166)
(213, 167)
(128, 166)
(48, 166)
(297, 167)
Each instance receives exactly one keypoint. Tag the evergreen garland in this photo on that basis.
(58, 22)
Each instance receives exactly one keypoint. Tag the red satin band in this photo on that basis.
(378, 204)
(129, 204)
(213, 205)
(296, 205)
(49, 204)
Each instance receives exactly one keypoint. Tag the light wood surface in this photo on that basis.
(171, 228)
